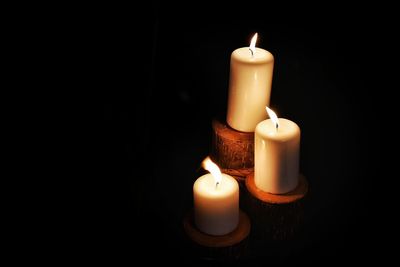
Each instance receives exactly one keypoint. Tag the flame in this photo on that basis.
(253, 44)
(213, 168)
(273, 116)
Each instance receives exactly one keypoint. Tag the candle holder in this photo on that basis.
(232, 150)
(227, 247)
(276, 217)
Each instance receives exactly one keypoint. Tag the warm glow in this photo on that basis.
(213, 169)
(253, 44)
(273, 117)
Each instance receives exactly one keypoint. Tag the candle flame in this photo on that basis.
(213, 169)
(273, 117)
(253, 44)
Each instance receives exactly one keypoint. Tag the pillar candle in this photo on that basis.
(276, 155)
(216, 202)
(250, 82)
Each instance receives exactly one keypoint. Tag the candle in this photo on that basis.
(276, 155)
(216, 201)
(249, 86)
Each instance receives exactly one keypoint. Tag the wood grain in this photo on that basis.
(231, 149)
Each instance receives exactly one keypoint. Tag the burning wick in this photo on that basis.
(213, 169)
(252, 46)
(273, 117)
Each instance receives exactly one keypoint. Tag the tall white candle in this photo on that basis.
(276, 155)
(216, 201)
(251, 71)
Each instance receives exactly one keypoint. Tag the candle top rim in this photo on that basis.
(287, 129)
(243, 54)
(205, 185)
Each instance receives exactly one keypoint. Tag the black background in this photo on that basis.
(161, 78)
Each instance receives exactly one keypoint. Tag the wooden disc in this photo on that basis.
(298, 193)
(235, 237)
(232, 149)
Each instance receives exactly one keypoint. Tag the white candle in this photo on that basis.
(276, 155)
(216, 201)
(250, 82)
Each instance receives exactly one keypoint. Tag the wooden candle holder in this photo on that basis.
(232, 150)
(275, 217)
(226, 247)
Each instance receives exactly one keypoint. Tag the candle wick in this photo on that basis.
(216, 184)
(251, 50)
(276, 126)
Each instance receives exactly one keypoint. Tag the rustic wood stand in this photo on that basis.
(232, 150)
(275, 217)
